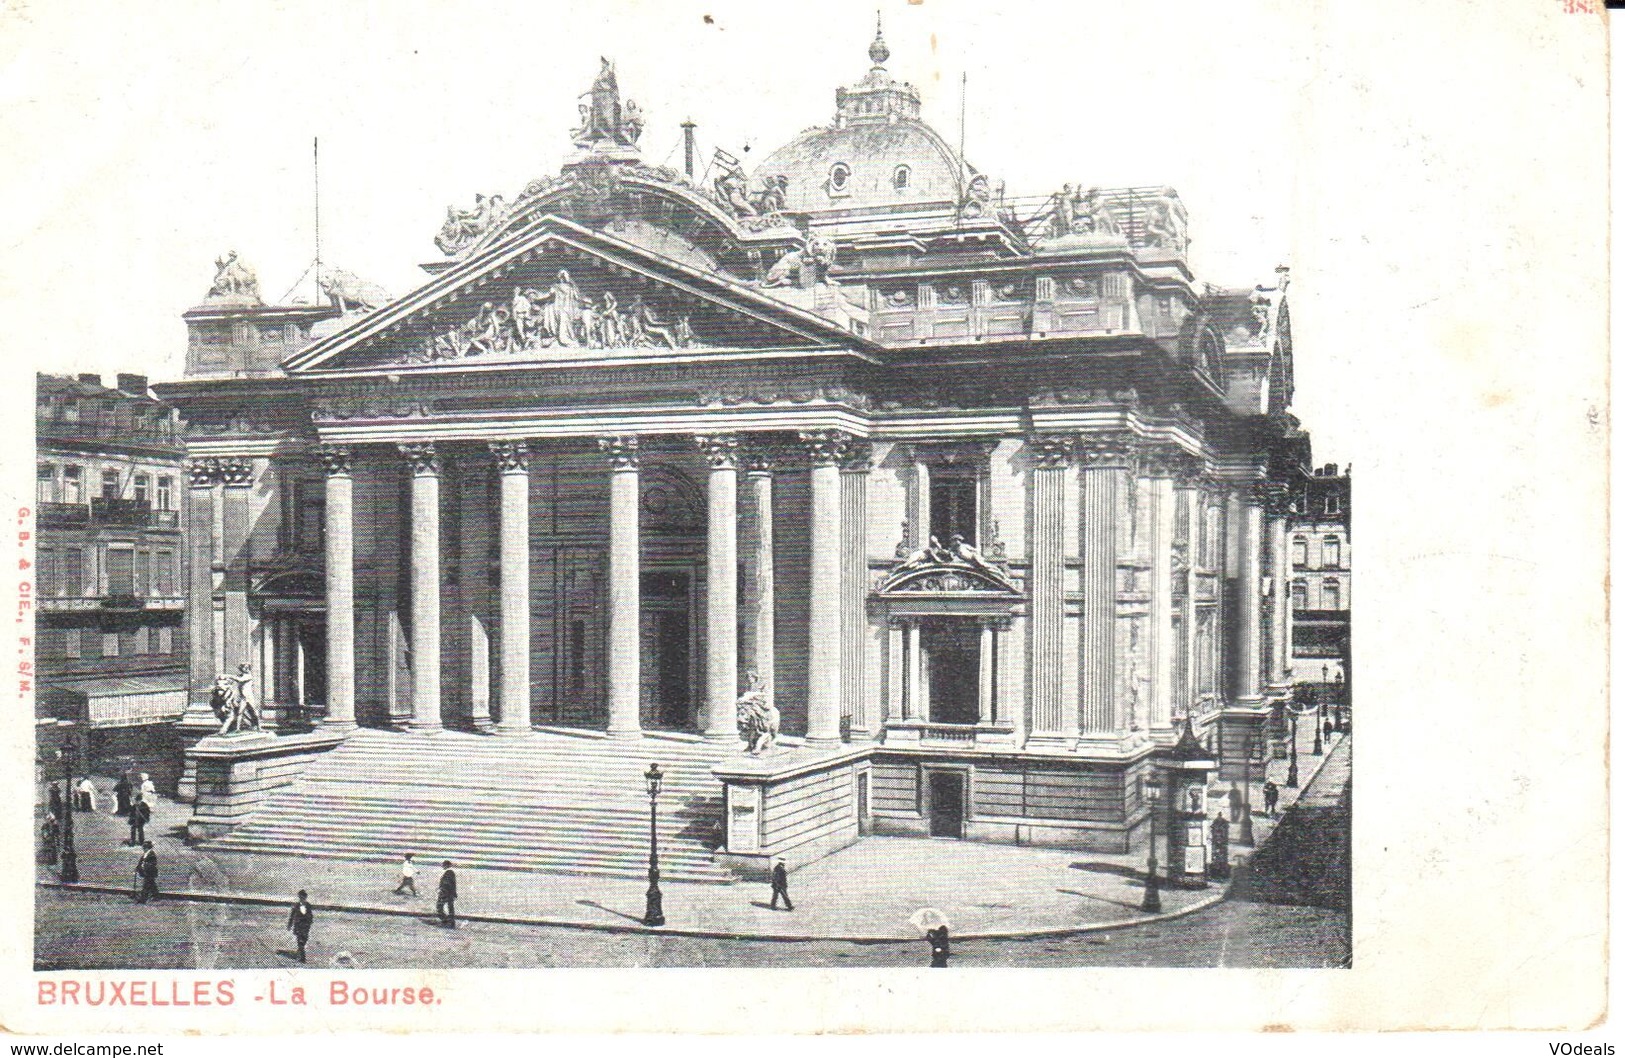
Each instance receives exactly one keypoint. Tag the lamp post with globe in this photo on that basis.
(653, 915)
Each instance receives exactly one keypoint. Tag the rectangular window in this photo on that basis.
(70, 411)
(1300, 595)
(143, 640)
(71, 575)
(126, 641)
(953, 507)
(72, 643)
(166, 493)
(164, 572)
(1331, 552)
(73, 484)
(110, 484)
(45, 579)
(120, 571)
(1300, 552)
(45, 490)
(139, 487)
(143, 569)
(1331, 595)
(110, 644)
(166, 640)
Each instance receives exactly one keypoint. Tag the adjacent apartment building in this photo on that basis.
(1321, 579)
(110, 640)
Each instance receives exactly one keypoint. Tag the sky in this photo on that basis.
(152, 139)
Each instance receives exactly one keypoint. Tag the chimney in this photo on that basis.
(90, 380)
(134, 385)
(688, 149)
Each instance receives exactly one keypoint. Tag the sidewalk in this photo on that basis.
(863, 893)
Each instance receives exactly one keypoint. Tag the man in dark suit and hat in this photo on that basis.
(445, 904)
(146, 874)
(300, 919)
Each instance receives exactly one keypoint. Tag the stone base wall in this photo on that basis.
(232, 775)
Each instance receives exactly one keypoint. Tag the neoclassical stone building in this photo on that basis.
(989, 494)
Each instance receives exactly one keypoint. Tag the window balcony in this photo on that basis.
(102, 512)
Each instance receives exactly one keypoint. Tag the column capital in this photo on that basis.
(202, 473)
(1051, 451)
(825, 447)
(621, 450)
(760, 457)
(721, 450)
(236, 473)
(1274, 496)
(1108, 451)
(422, 458)
(1164, 461)
(511, 456)
(335, 459)
(1190, 472)
(857, 456)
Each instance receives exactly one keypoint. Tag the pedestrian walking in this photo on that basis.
(53, 800)
(1219, 867)
(85, 798)
(50, 833)
(140, 815)
(146, 874)
(409, 877)
(940, 949)
(1272, 794)
(780, 879)
(121, 795)
(445, 901)
(149, 792)
(1328, 728)
(300, 919)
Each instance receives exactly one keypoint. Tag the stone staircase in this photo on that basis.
(570, 802)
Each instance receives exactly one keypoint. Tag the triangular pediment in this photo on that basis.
(561, 291)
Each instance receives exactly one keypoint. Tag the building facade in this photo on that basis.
(1322, 581)
(988, 499)
(110, 636)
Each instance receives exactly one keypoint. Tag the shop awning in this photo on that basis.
(118, 701)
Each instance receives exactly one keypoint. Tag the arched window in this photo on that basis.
(900, 177)
(1331, 552)
(839, 174)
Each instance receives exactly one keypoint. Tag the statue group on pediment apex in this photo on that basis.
(605, 120)
(464, 227)
(233, 279)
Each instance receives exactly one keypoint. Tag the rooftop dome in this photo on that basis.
(877, 152)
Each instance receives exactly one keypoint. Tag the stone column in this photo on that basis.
(825, 448)
(758, 561)
(915, 705)
(722, 586)
(1280, 630)
(919, 501)
(856, 702)
(237, 479)
(513, 584)
(1188, 499)
(1249, 691)
(1159, 472)
(1048, 458)
(896, 676)
(624, 586)
(1106, 471)
(425, 464)
(340, 546)
(201, 477)
(988, 672)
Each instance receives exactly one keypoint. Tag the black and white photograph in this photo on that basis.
(644, 486)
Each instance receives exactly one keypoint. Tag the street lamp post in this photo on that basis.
(652, 913)
(1292, 768)
(1245, 835)
(1152, 904)
(70, 856)
(1320, 709)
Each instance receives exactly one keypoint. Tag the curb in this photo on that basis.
(199, 896)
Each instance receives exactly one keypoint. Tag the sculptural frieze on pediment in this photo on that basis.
(560, 315)
(770, 395)
(339, 409)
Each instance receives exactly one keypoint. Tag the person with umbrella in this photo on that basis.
(934, 924)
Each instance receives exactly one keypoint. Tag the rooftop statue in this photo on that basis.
(348, 292)
(464, 226)
(232, 278)
(605, 121)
